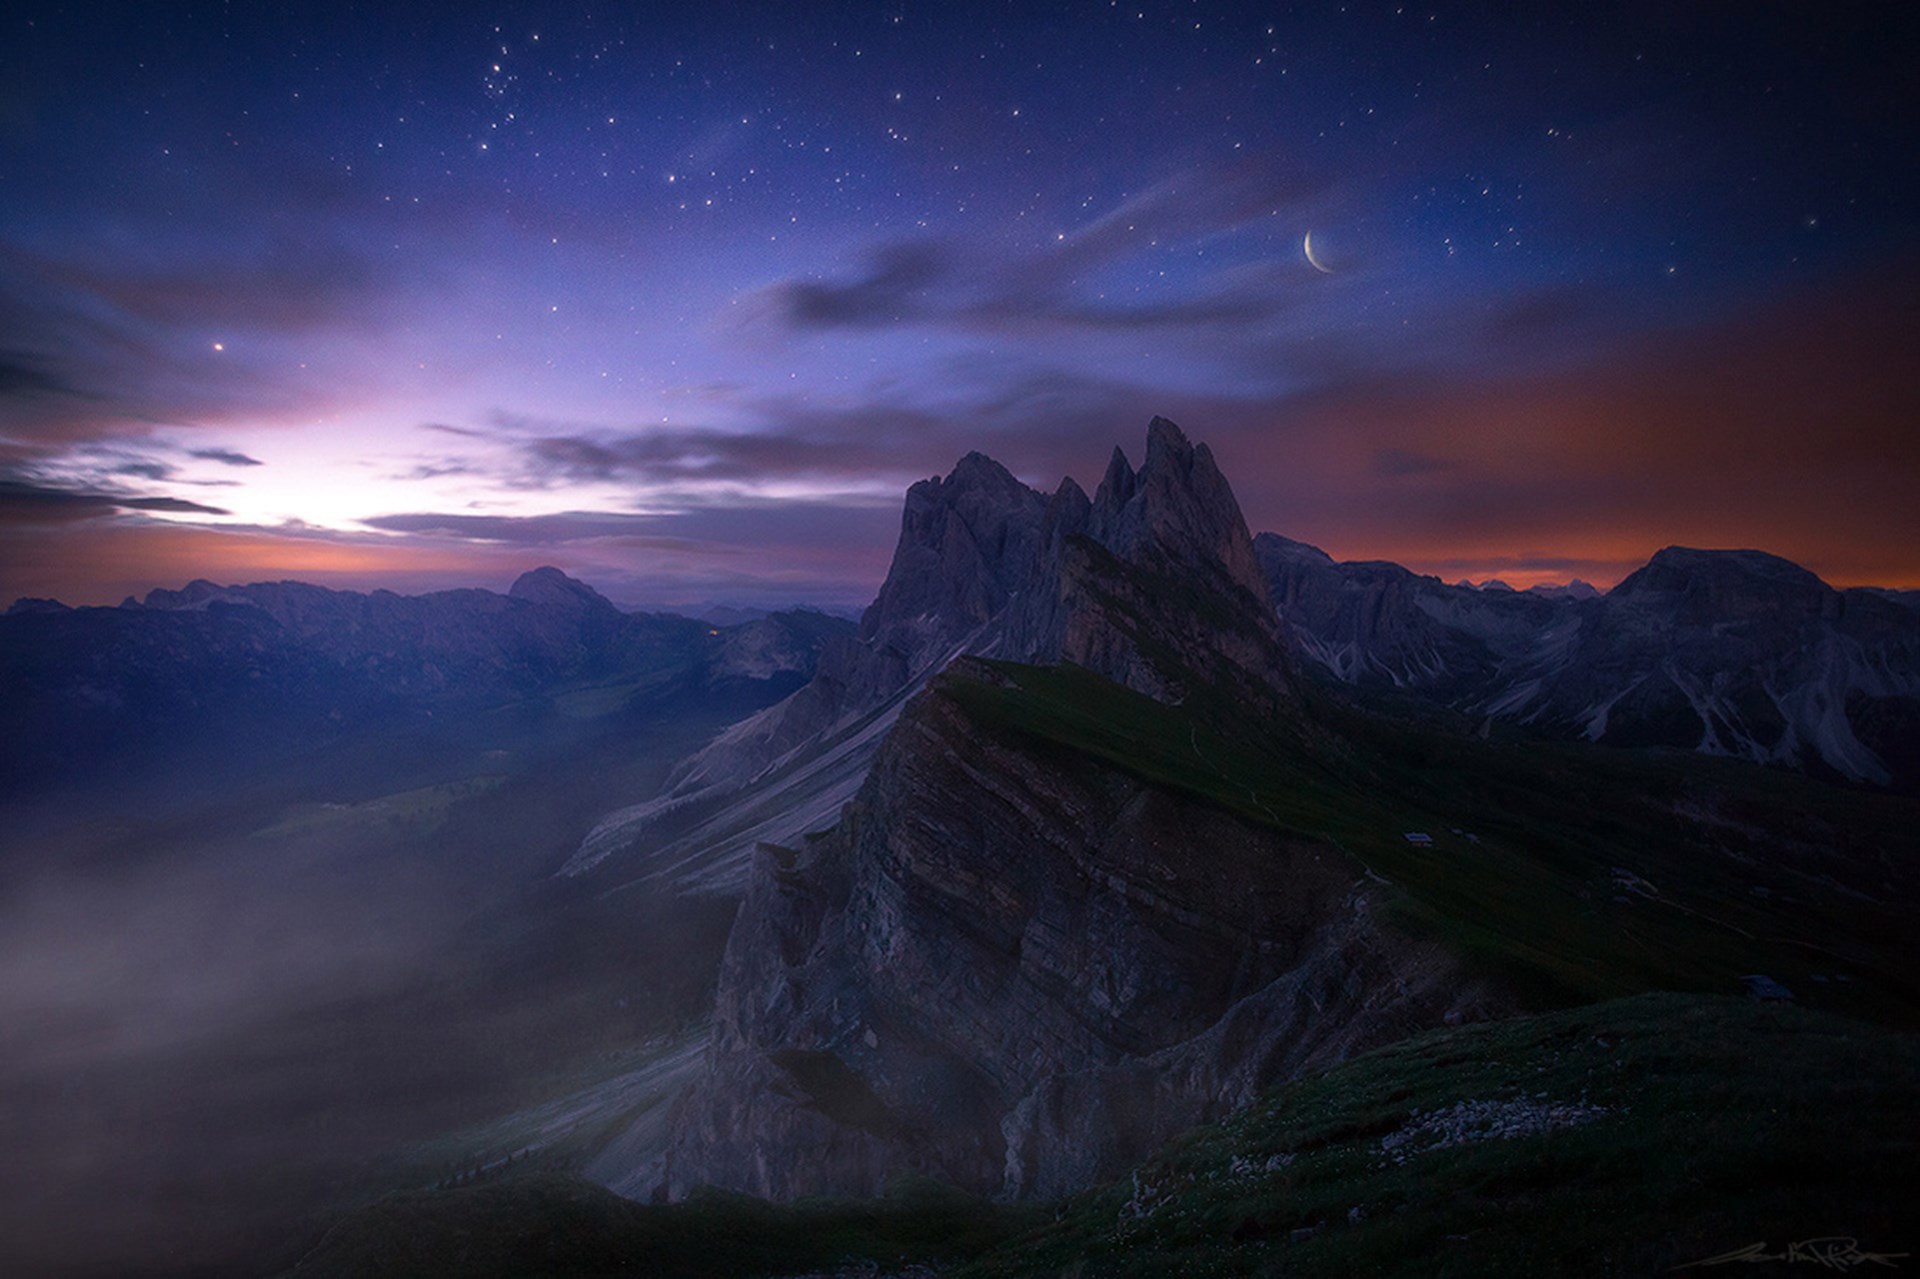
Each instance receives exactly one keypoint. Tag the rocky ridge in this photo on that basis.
(1021, 974)
(1019, 970)
(989, 567)
(1726, 652)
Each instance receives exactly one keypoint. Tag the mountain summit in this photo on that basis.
(1015, 963)
(1153, 583)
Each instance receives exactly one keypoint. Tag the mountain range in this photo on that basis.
(1736, 653)
(248, 677)
(1109, 826)
(1065, 852)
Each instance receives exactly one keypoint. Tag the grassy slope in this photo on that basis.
(1704, 1125)
(1711, 1124)
(1592, 873)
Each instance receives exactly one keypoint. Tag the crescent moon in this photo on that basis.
(1312, 261)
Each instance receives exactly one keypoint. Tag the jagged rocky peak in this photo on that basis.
(968, 543)
(986, 566)
(1727, 585)
(549, 586)
(1177, 505)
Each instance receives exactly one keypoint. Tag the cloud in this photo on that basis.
(436, 470)
(891, 290)
(769, 531)
(675, 456)
(944, 282)
(935, 283)
(21, 376)
(226, 457)
(146, 469)
(538, 530)
(27, 503)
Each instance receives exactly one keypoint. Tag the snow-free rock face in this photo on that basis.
(1728, 652)
(1375, 623)
(1020, 974)
(1016, 967)
(550, 587)
(989, 567)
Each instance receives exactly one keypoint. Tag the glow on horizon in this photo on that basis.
(715, 290)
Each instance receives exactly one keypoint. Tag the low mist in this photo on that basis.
(225, 1026)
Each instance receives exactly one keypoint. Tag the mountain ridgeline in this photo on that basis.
(1152, 583)
(1063, 854)
(1020, 973)
(1117, 867)
(215, 679)
(1726, 652)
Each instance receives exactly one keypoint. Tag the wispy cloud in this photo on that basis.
(226, 457)
(26, 503)
(975, 286)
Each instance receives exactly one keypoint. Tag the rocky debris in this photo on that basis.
(1467, 1122)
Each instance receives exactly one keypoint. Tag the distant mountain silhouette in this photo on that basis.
(1727, 652)
(244, 675)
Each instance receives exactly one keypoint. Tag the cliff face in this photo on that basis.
(1017, 966)
(1151, 580)
(1020, 971)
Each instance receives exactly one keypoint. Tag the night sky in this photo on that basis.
(680, 298)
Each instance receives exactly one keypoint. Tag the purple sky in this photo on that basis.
(682, 302)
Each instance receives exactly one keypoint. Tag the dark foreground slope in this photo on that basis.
(1018, 969)
(1624, 1138)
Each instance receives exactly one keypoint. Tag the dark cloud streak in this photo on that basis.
(27, 503)
(226, 457)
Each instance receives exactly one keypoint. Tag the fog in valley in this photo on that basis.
(234, 1006)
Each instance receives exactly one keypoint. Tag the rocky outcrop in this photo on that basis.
(1018, 968)
(1727, 652)
(1152, 579)
(1020, 972)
